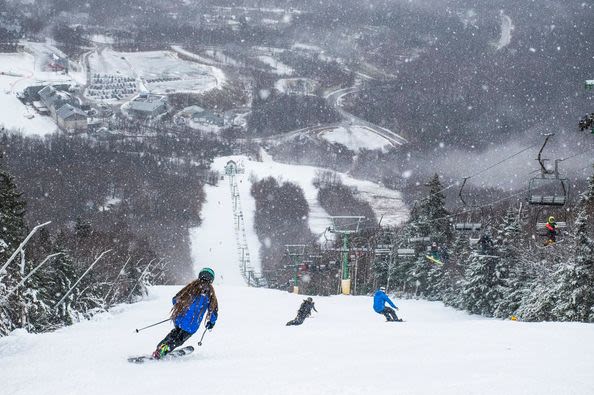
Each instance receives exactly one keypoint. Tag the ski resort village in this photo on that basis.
(272, 197)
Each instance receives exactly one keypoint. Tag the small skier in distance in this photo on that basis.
(189, 306)
(379, 305)
(304, 311)
(551, 227)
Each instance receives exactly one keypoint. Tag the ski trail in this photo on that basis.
(345, 348)
(213, 243)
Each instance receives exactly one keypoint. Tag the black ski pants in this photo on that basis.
(389, 313)
(175, 338)
(297, 321)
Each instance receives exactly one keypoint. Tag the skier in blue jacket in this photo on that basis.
(189, 307)
(379, 305)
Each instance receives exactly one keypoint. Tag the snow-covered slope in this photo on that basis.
(344, 349)
(214, 242)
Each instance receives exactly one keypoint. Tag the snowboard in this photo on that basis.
(178, 352)
(436, 261)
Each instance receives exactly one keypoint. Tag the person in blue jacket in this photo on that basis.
(189, 307)
(379, 305)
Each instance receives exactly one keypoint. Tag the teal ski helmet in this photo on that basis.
(207, 274)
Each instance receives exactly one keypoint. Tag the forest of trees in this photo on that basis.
(120, 211)
(68, 273)
(282, 113)
(281, 218)
(462, 90)
(150, 188)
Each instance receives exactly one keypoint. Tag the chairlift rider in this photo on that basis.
(486, 244)
(551, 227)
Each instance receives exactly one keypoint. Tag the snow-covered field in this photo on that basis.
(160, 71)
(356, 138)
(304, 86)
(346, 348)
(277, 67)
(17, 71)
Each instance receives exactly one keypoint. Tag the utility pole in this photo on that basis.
(345, 226)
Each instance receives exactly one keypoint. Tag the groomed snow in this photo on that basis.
(356, 138)
(213, 243)
(346, 348)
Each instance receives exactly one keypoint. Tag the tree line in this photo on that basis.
(513, 275)
(119, 209)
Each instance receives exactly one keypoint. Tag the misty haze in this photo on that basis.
(296, 197)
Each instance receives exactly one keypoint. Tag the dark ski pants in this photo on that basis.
(175, 338)
(389, 313)
(297, 321)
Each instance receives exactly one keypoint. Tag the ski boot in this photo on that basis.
(161, 351)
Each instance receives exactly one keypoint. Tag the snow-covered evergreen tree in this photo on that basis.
(429, 219)
(510, 275)
(574, 281)
(480, 293)
(54, 281)
(13, 231)
(453, 271)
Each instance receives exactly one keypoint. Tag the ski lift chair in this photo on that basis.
(405, 252)
(548, 191)
(419, 240)
(468, 226)
(474, 228)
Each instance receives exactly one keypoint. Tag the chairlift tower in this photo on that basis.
(296, 252)
(345, 226)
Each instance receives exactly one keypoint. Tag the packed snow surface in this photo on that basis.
(346, 348)
(356, 138)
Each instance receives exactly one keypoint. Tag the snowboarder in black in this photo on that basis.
(304, 311)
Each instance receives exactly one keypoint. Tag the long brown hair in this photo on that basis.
(184, 298)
